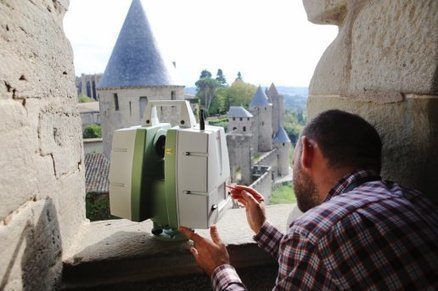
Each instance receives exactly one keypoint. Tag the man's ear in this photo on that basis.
(307, 153)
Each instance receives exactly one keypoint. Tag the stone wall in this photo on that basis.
(383, 66)
(263, 184)
(239, 153)
(130, 112)
(269, 159)
(93, 146)
(42, 184)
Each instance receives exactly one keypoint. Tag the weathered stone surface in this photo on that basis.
(41, 156)
(383, 66)
(325, 11)
(123, 251)
(18, 177)
(30, 253)
(382, 46)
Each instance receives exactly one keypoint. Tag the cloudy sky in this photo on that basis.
(266, 40)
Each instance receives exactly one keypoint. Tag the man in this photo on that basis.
(357, 232)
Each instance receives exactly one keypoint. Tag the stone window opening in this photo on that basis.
(143, 101)
(244, 128)
(172, 95)
(116, 102)
(130, 108)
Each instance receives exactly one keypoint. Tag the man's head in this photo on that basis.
(332, 144)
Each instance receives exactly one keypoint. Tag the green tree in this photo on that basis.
(221, 78)
(220, 104)
(206, 88)
(239, 77)
(85, 99)
(92, 131)
(292, 125)
(241, 93)
(205, 74)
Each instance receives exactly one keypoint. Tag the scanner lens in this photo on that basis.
(160, 145)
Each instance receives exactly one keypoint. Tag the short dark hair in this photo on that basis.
(346, 140)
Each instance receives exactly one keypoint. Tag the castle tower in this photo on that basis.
(135, 74)
(261, 109)
(239, 120)
(277, 101)
(283, 144)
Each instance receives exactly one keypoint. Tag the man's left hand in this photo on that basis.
(209, 254)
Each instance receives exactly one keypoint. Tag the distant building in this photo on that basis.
(258, 144)
(86, 85)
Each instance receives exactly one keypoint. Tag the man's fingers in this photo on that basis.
(215, 235)
(190, 234)
(257, 196)
(194, 252)
(249, 198)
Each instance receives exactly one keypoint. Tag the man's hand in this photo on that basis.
(208, 254)
(253, 202)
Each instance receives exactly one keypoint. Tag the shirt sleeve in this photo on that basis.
(300, 266)
(225, 278)
(269, 238)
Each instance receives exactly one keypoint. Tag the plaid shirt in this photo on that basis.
(377, 235)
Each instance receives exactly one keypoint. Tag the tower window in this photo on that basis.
(248, 118)
(244, 128)
(172, 95)
(234, 118)
(130, 109)
(143, 101)
(116, 102)
(241, 118)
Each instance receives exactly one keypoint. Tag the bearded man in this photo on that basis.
(357, 231)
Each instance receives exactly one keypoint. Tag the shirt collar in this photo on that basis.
(347, 180)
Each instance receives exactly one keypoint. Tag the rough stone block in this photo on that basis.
(30, 256)
(18, 176)
(382, 46)
(325, 11)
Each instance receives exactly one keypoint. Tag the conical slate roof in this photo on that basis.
(281, 136)
(136, 60)
(259, 99)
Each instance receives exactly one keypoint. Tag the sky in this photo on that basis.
(266, 40)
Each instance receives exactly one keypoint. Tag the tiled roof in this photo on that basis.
(238, 111)
(96, 173)
(136, 60)
(281, 136)
(259, 99)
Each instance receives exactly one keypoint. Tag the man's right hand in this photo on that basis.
(253, 202)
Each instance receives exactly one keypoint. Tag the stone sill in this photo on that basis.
(117, 251)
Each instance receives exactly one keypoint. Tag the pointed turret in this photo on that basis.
(272, 91)
(136, 60)
(283, 144)
(261, 109)
(135, 74)
(281, 136)
(259, 99)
